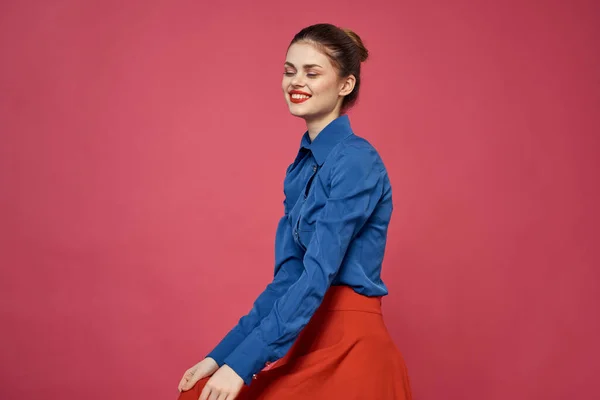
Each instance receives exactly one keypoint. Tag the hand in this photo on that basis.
(225, 384)
(204, 368)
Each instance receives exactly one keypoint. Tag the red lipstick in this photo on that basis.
(300, 99)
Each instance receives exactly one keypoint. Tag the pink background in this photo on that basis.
(142, 151)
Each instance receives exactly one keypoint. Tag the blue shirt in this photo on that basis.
(338, 204)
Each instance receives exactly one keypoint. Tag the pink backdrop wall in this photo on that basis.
(142, 151)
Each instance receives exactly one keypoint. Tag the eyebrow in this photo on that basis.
(306, 66)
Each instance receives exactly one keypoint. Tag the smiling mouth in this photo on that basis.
(298, 98)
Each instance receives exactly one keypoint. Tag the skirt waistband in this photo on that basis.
(344, 298)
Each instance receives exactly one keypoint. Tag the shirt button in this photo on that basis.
(314, 168)
(254, 376)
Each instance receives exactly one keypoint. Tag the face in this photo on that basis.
(311, 84)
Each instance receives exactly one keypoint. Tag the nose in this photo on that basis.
(298, 80)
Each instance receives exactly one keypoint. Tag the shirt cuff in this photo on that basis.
(226, 346)
(249, 357)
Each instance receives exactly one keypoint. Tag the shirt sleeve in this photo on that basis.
(288, 266)
(356, 186)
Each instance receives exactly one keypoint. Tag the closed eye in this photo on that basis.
(311, 75)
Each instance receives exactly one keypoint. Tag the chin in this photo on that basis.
(296, 112)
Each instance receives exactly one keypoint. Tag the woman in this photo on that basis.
(329, 248)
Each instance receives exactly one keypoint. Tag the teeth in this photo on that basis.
(299, 96)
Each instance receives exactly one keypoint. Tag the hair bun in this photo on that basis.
(363, 53)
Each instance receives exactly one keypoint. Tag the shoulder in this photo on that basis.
(356, 152)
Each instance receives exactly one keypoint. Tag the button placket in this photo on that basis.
(297, 236)
(315, 168)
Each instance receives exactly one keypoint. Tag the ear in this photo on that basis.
(347, 85)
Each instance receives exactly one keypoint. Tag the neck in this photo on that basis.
(316, 125)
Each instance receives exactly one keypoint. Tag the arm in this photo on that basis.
(356, 186)
(288, 265)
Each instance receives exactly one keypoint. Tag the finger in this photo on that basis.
(223, 396)
(186, 377)
(191, 381)
(214, 394)
(183, 380)
(205, 392)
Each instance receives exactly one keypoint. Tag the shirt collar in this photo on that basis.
(336, 131)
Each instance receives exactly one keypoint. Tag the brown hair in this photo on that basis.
(344, 48)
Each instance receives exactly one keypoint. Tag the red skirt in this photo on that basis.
(345, 352)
